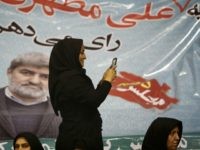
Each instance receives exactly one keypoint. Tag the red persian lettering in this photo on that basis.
(147, 93)
(49, 6)
(181, 8)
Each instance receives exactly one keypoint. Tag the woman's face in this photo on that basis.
(82, 56)
(22, 144)
(173, 139)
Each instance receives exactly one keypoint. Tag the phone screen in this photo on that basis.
(114, 62)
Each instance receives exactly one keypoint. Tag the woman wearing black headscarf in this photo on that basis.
(163, 134)
(28, 141)
(73, 94)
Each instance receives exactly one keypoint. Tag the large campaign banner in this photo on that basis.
(157, 44)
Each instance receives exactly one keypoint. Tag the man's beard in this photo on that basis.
(28, 91)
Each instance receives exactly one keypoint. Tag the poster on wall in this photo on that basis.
(157, 44)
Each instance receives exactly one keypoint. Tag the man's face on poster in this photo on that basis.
(29, 82)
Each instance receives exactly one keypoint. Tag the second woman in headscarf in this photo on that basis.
(163, 134)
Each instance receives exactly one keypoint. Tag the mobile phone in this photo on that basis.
(114, 62)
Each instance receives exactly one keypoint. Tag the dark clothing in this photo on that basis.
(64, 57)
(32, 140)
(76, 99)
(157, 133)
(15, 118)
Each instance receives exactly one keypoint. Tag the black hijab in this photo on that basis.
(64, 58)
(157, 133)
(32, 140)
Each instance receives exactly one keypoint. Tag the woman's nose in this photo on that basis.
(84, 56)
(177, 136)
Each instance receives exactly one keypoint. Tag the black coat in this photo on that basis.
(74, 95)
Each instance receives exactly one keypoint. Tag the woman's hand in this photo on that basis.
(110, 74)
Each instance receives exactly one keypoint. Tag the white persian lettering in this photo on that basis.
(149, 99)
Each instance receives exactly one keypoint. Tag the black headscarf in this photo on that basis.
(64, 58)
(32, 140)
(157, 133)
